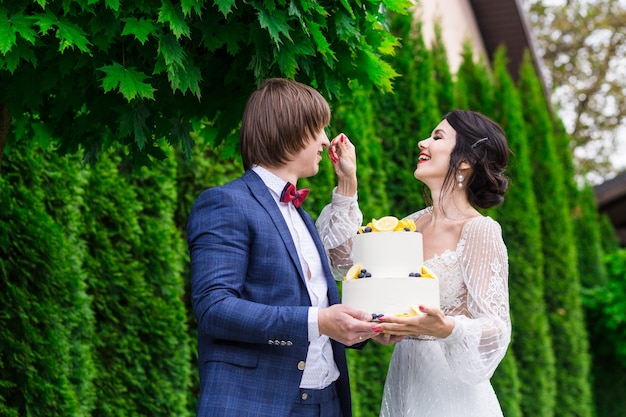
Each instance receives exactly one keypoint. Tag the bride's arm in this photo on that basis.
(341, 219)
(336, 224)
(478, 343)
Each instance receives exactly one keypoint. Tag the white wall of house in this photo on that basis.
(458, 24)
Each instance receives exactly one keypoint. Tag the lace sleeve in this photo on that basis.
(336, 224)
(481, 336)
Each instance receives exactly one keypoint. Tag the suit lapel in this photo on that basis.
(333, 292)
(259, 191)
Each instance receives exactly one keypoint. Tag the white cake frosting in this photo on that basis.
(389, 257)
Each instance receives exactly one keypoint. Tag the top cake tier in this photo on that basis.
(389, 254)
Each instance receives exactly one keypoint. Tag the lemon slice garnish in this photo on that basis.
(427, 273)
(405, 224)
(410, 224)
(353, 272)
(385, 224)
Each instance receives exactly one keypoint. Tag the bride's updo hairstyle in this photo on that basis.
(481, 143)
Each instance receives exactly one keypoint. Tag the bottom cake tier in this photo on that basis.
(390, 296)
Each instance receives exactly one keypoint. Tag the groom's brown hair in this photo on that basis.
(280, 118)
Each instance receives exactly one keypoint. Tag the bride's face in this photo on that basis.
(434, 158)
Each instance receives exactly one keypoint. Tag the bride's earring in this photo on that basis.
(460, 179)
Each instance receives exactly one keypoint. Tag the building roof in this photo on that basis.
(505, 22)
(611, 198)
(487, 24)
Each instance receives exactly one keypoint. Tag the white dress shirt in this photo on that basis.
(320, 370)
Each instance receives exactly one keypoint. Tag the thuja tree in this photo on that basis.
(424, 81)
(443, 76)
(355, 116)
(407, 116)
(584, 214)
(519, 218)
(585, 217)
(588, 238)
(562, 279)
(142, 352)
(46, 325)
(97, 73)
(393, 125)
(473, 88)
(475, 91)
(161, 252)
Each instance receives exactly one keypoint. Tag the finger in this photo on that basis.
(344, 143)
(394, 319)
(431, 311)
(357, 314)
(337, 139)
(332, 154)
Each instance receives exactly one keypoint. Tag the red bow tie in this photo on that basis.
(291, 194)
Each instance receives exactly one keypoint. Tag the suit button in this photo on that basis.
(305, 395)
(301, 365)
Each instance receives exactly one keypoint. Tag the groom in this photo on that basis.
(271, 333)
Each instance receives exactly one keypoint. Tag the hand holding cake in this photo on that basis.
(345, 324)
(430, 321)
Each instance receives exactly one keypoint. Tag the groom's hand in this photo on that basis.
(345, 324)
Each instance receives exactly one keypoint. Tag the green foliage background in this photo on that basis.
(140, 72)
(94, 294)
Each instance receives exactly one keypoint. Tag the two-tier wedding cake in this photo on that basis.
(388, 276)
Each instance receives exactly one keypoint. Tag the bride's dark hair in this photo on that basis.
(482, 144)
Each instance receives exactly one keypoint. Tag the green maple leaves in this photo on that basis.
(128, 81)
(297, 32)
(142, 71)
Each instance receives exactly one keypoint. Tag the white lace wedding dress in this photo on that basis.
(448, 377)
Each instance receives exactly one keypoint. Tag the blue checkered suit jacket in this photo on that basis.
(251, 304)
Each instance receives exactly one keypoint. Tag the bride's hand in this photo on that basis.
(343, 156)
(430, 321)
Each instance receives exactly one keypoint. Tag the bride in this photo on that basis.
(444, 358)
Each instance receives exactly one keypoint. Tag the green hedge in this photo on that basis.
(46, 325)
(519, 216)
(562, 279)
